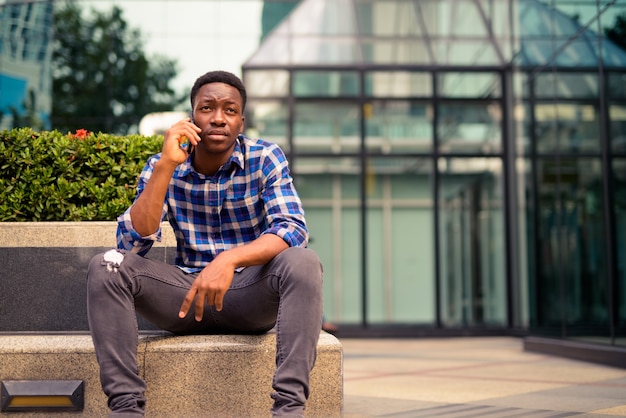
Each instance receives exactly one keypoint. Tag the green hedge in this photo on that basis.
(51, 176)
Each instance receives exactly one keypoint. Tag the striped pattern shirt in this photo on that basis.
(250, 195)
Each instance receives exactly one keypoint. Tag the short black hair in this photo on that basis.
(219, 77)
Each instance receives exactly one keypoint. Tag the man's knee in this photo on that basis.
(101, 265)
(304, 264)
(302, 258)
(111, 256)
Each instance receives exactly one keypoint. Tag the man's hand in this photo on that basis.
(211, 285)
(214, 281)
(178, 134)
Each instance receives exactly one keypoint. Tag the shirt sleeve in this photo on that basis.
(127, 237)
(283, 206)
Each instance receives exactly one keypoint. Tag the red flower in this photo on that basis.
(81, 133)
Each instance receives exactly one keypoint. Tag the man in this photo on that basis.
(241, 264)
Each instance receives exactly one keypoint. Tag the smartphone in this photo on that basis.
(189, 147)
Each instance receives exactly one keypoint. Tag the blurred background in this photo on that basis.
(462, 163)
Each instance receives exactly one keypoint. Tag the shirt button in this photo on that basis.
(214, 211)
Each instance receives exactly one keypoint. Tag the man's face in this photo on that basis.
(218, 112)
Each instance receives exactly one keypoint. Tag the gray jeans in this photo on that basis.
(286, 293)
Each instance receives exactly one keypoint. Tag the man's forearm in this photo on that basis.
(258, 252)
(147, 210)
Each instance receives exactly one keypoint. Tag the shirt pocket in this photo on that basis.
(244, 212)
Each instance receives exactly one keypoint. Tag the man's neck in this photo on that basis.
(208, 164)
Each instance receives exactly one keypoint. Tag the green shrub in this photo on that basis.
(50, 176)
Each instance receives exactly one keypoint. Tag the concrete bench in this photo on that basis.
(187, 376)
(44, 335)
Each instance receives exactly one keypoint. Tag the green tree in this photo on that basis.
(102, 80)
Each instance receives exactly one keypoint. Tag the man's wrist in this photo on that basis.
(165, 164)
(228, 257)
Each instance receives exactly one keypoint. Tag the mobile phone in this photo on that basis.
(189, 147)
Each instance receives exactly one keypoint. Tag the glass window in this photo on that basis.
(264, 83)
(268, 120)
(465, 19)
(329, 189)
(471, 228)
(325, 83)
(398, 84)
(469, 85)
(394, 126)
(327, 127)
(617, 85)
(400, 267)
(571, 272)
(617, 114)
(453, 17)
(470, 127)
(567, 127)
(467, 52)
(397, 51)
(541, 51)
(319, 50)
(565, 85)
(521, 88)
(386, 18)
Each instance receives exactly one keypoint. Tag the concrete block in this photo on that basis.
(187, 376)
(53, 357)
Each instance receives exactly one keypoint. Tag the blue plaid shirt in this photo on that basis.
(251, 195)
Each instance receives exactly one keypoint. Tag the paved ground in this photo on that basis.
(473, 377)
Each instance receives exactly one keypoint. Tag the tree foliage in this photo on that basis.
(617, 33)
(102, 79)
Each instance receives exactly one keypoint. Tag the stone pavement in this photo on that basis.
(477, 377)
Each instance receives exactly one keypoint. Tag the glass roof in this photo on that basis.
(431, 33)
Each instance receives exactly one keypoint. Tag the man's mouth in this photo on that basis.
(217, 133)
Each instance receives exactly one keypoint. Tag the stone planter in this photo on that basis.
(42, 290)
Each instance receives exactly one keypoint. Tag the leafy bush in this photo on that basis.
(50, 176)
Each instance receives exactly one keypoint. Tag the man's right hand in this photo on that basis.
(146, 211)
(176, 135)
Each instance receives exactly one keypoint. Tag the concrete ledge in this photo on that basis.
(187, 376)
(70, 234)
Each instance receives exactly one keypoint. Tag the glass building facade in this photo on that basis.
(462, 163)
(25, 60)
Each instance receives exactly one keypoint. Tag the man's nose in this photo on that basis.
(217, 118)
